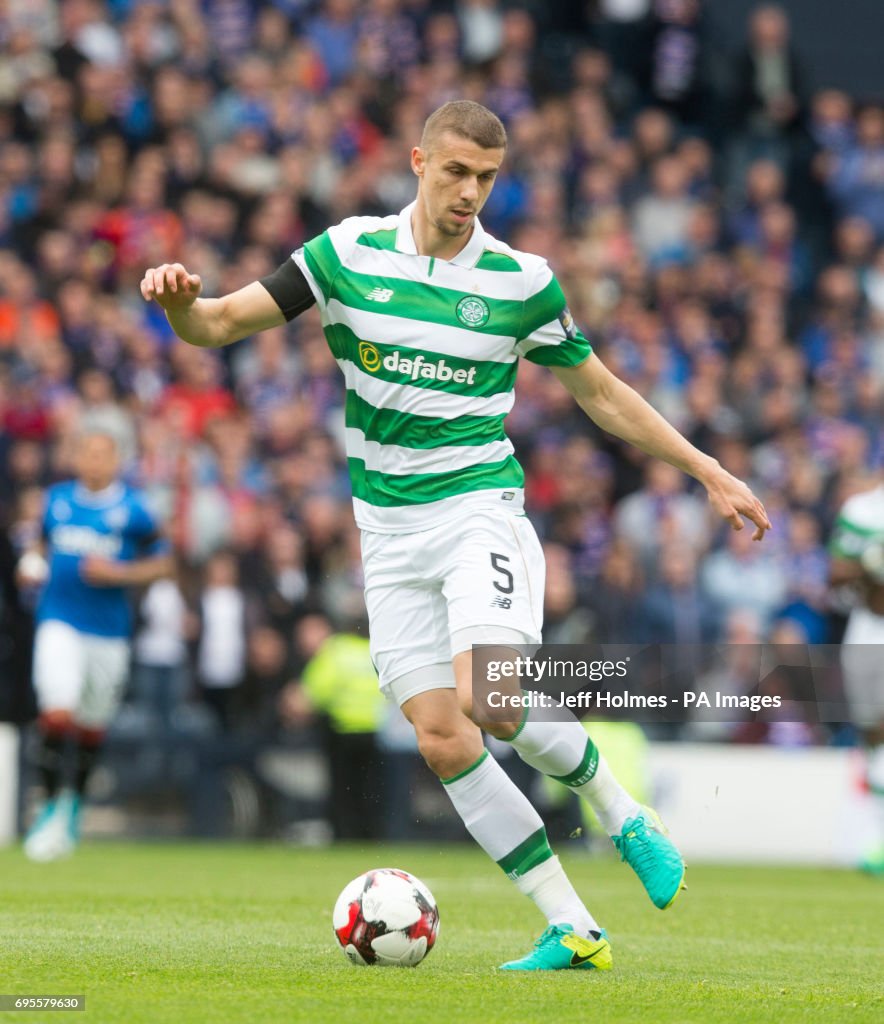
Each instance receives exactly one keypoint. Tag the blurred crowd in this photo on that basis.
(719, 233)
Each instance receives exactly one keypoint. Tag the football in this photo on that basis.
(386, 917)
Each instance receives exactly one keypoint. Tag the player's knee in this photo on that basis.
(89, 736)
(57, 721)
(487, 720)
(447, 749)
(438, 748)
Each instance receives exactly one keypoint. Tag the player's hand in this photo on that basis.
(733, 500)
(171, 285)
(103, 572)
(32, 570)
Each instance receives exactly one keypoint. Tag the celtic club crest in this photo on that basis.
(473, 311)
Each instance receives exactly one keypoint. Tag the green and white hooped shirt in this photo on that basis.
(429, 350)
(860, 523)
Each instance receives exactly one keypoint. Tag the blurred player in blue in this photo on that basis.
(99, 539)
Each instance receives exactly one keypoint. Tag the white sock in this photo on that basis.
(500, 818)
(563, 751)
(610, 801)
(549, 887)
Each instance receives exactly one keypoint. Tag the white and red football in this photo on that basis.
(386, 917)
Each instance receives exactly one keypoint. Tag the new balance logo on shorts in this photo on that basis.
(502, 602)
(380, 295)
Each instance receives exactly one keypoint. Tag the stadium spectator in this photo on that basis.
(339, 684)
(160, 676)
(736, 579)
(221, 656)
(268, 669)
(623, 30)
(675, 69)
(481, 26)
(661, 512)
(662, 218)
(674, 610)
(565, 620)
(856, 174)
(278, 588)
(614, 599)
(197, 396)
(334, 33)
(770, 87)
(101, 411)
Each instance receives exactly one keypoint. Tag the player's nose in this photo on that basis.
(469, 191)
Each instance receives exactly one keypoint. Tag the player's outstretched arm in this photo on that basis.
(621, 411)
(107, 572)
(209, 323)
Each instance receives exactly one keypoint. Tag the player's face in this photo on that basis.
(97, 462)
(456, 177)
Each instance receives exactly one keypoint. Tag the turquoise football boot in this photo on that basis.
(653, 856)
(56, 832)
(48, 838)
(73, 808)
(559, 949)
(39, 833)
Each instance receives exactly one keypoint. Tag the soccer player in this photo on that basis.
(427, 316)
(99, 539)
(857, 549)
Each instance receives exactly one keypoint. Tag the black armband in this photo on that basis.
(289, 289)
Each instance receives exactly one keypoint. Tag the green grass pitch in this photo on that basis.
(223, 934)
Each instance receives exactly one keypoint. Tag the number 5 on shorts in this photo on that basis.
(502, 569)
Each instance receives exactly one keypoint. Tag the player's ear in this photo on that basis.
(418, 161)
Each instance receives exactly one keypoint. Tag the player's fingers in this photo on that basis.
(756, 513)
(194, 282)
(159, 280)
(181, 277)
(735, 519)
(147, 286)
(172, 275)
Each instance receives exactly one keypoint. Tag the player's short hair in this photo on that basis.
(467, 119)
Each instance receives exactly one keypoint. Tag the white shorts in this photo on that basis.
(861, 667)
(432, 594)
(79, 672)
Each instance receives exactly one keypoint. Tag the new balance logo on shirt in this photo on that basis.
(380, 294)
